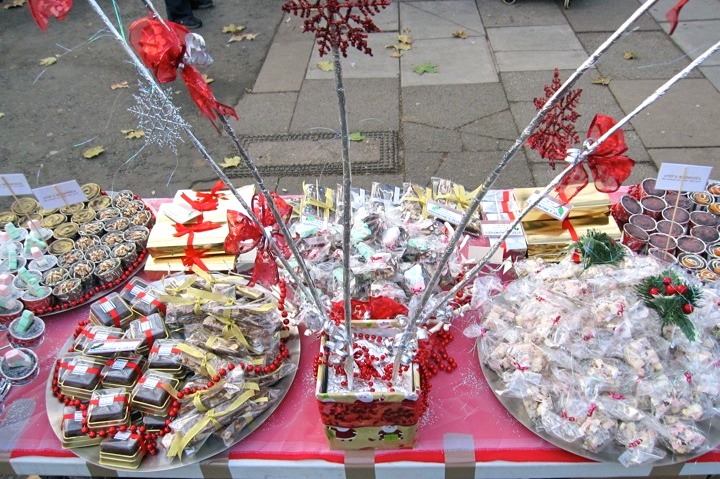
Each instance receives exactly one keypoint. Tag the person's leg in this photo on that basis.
(179, 11)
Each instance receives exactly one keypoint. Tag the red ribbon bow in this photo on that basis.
(161, 46)
(608, 167)
(673, 15)
(42, 10)
(377, 307)
(206, 201)
(193, 256)
(245, 235)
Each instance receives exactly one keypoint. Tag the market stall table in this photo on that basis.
(465, 433)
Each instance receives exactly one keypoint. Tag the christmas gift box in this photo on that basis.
(108, 407)
(474, 248)
(499, 205)
(375, 414)
(588, 203)
(550, 239)
(124, 450)
(213, 204)
(173, 240)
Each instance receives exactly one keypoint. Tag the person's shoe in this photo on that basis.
(190, 21)
(202, 4)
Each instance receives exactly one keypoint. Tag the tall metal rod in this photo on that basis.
(347, 210)
(418, 314)
(656, 95)
(220, 173)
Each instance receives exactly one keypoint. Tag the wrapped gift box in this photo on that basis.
(549, 239)
(162, 242)
(226, 201)
(499, 205)
(589, 202)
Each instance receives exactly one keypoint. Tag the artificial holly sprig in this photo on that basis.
(672, 298)
(598, 248)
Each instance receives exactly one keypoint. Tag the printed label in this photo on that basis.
(119, 364)
(444, 212)
(78, 417)
(150, 383)
(551, 206)
(122, 435)
(165, 350)
(105, 401)
(80, 369)
(107, 306)
(499, 229)
(145, 325)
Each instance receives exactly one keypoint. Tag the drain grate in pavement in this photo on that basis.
(314, 154)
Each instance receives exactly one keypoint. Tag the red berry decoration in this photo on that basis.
(654, 291)
(667, 280)
(681, 289)
(687, 308)
(670, 289)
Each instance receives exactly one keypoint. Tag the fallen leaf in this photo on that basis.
(14, 4)
(426, 67)
(232, 28)
(406, 39)
(230, 162)
(2, 114)
(117, 86)
(629, 55)
(396, 54)
(356, 136)
(47, 61)
(133, 134)
(326, 65)
(601, 80)
(93, 152)
(207, 79)
(460, 34)
(248, 90)
(251, 36)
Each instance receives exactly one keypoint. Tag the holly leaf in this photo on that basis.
(629, 55)
(356, 136)
(47, 61)
(117, 86)
(230, 162)
(601, 80)
(207, 79)
(426, 67)
(232, 28)
(460, 34)
(406, 39)
(133, 134)
(93, 152)
(14, 4)
(326, 66)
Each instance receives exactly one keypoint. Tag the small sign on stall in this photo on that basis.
(59, 195)
(679, 177)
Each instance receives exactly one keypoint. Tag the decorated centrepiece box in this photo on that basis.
(364, 419)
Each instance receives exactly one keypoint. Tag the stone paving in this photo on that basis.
(458, 122)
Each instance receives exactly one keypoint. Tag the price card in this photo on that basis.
(105, 401)
(80, 369)
(59, 195)
(122, 435)
(496, 230)
(679, 177)
(14, 184)
(551, 206)
(119, 364)
(444, 212)
(78, 416)
(150, 383)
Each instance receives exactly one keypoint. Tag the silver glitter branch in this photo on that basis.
(419, 315)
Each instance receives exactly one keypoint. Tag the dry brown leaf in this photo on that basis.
(251, 36)
(117, 86)
(207, 79)
(93, 152)
(396, 54)
(47, 61)
(629, 55)
(460, 34)
(14, 4)
(326, 65)
(407, 39)
(601, 80)
(231, 162)
(243, 36)
(232, 28)
(133, 134)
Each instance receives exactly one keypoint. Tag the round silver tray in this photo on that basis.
(161, 462)
(610, 453)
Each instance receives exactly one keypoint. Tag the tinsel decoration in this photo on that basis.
(672, 298)
(339, 23)
(598, 248)
(556, 132)
(158, 117)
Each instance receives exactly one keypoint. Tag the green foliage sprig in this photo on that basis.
(598, 248)
(672, 298)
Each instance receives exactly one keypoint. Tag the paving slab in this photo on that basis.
(388, 20)
(539, 60)
(696, 36)
(439, 19)
(452, 106)
(535, 12)
(495, 132)
(291, 30)
(543, 174)
(606, 16)
(686, 116)
(458, 61)
(358, 64)
(695, 10)
(690, 156)
(372, 104)
(533, 38)
(424, 138)
(712, 74)
(470, 169)
(656, 56)
(284, 67)
(264, 113)
(421, 166)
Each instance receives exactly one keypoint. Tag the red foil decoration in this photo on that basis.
(379, 307)
(206, 201)
(673, 15)
(245, 235)
(42, 10)
(161, 46)
(608, 167)
(192, 257)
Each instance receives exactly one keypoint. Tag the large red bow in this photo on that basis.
(245, 235)
(42, 10)
(608, 167)
(193, 256)
(673, 15)
(377, 307)
(206, 201)
(161, 46)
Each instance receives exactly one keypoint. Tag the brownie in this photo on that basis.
(107, 405)
(148, 390)
(122, 443)
(82, 373)
(72, 422)
(111, 310)
(123, 371)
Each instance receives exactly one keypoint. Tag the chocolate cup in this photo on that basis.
(670, 228)
(627, 206)
(662, 255)
(672, 198)
(644, 222)
(647, 187)
(634, 237)
(706, 233)
(653, 206)
(678, 215)
(663, 242)
(703, 218)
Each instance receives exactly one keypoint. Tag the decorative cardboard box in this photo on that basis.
(589, 202)
(377, 420)
(226, 201)
(549, 239)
